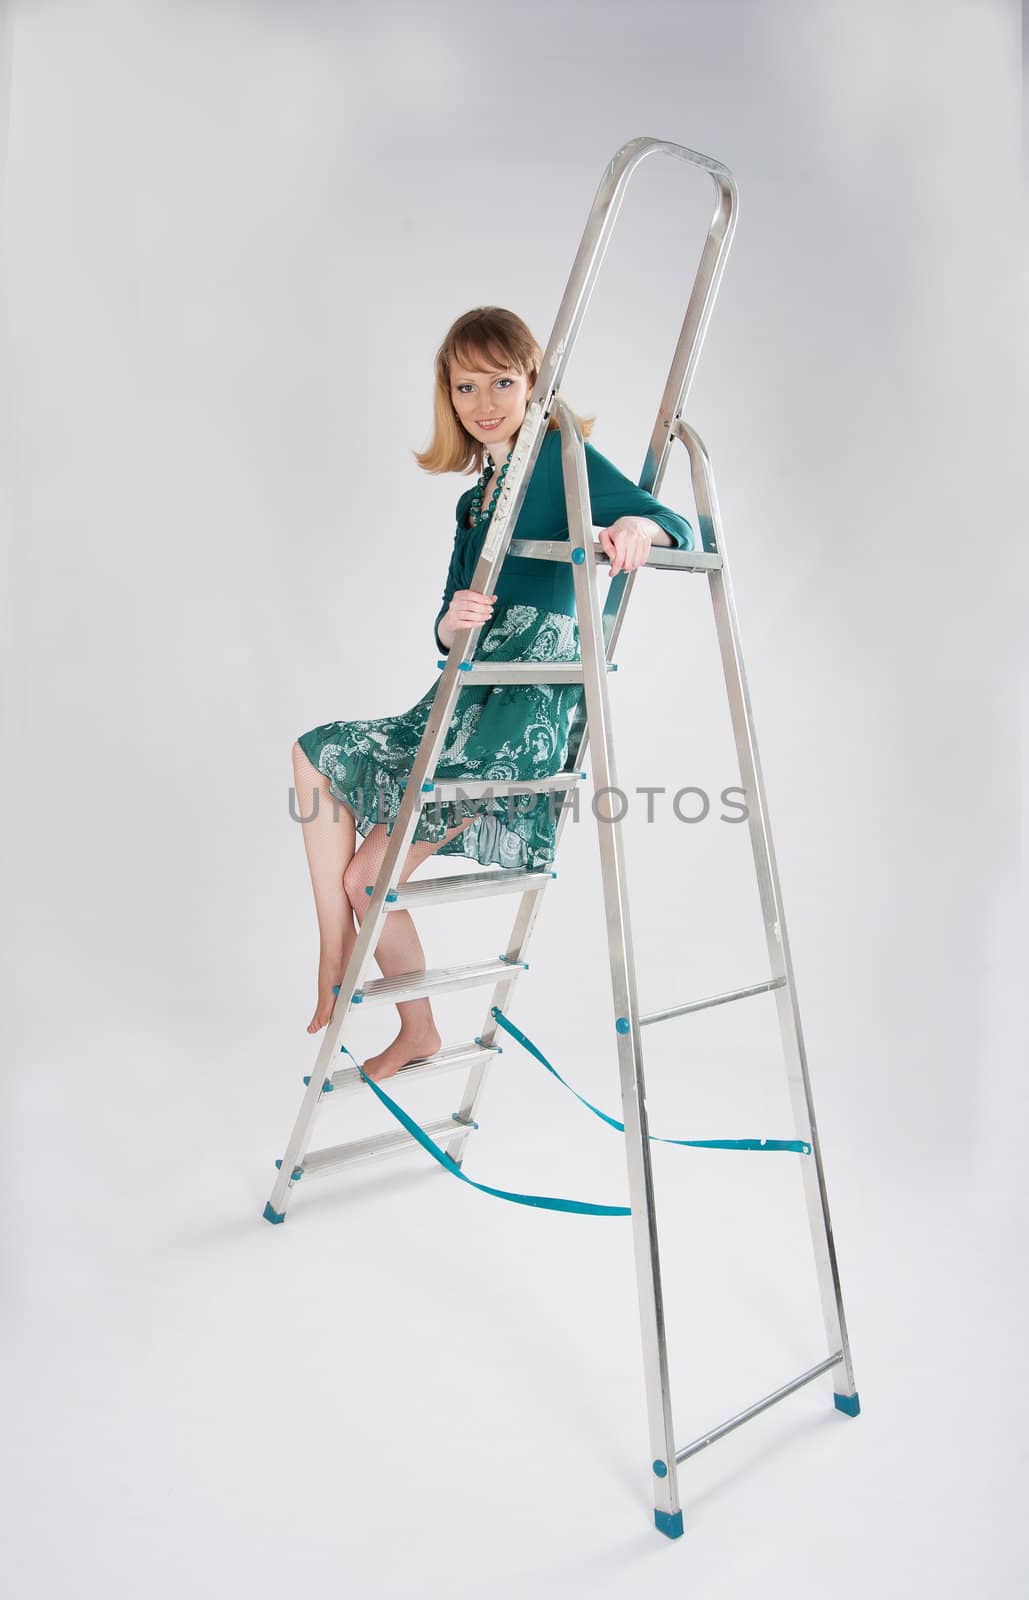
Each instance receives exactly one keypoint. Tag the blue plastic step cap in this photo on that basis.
(273, 1216)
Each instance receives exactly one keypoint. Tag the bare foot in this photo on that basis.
(330, 972)
(410, 1044)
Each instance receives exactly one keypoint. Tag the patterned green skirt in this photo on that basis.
(497, 731)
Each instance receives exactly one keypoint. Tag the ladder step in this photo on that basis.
(474, 789)
(458, 1055)
(667, 560)
(523, 671)
(437, 980)
(380, 1144)
(660, 555)
(464, 886)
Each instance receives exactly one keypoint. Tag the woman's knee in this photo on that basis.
(355, 881)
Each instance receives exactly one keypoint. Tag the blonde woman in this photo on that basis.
(348, 773)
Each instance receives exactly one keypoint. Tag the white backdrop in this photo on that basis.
(233, 238)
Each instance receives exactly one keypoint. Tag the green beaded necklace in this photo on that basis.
(476, 506)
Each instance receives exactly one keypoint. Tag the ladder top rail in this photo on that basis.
(597, 235)
(571, 311)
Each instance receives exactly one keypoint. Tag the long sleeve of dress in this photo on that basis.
(548, 585)
(613, 495)
(456, 579)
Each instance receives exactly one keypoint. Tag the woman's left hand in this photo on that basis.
(627, 542)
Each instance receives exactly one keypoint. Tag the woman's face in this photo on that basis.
(490, 404)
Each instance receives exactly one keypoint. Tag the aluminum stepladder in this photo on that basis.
(599, 628)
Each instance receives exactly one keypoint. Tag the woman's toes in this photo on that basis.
(327, 992)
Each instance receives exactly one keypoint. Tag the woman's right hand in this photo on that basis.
(469, 609)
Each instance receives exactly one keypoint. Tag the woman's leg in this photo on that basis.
(399, 948)
(330, 835)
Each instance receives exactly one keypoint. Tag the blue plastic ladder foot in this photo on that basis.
(669, 1522)
(273, 1216)
(849, 1404)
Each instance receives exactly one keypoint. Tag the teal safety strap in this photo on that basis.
(796, 1145)
(551, 1202)
(546, 1202)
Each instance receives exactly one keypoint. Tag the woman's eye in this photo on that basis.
(462, 387)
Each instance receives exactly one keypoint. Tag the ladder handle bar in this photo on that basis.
(593, 247)
(691, 338)
(585, 269)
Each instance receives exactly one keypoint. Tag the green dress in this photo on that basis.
(498, 731)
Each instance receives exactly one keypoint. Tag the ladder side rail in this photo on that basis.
(779, 957)
(517, 944)
(400, 838)
(694, 327)
(623, 978)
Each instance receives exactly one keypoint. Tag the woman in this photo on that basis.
(485, 371)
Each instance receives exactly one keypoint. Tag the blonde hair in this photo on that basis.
(487, 334)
